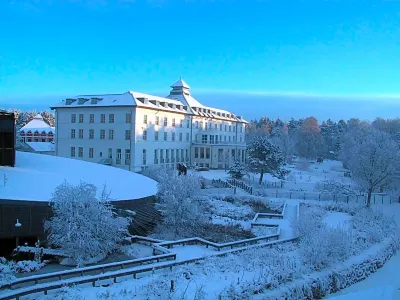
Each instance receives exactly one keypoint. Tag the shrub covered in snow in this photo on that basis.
(6, 272)
(27, 266)
(320, 246)
(237, 170)
(84, 225)
(182, 208)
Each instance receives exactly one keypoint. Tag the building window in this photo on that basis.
(80, 118)
(144, 135)
(102, 118)
(111, 118)
(157, 120)
(81, 133)
(73, 118)
(102, 134)
(230, 127)
(180, 137)
(201, 152)
(144, 156)
(167, 155)
(128, 118)
(208, 153)
(91, 118)
(173, 122)
(187, 154)
(188, 124)
(72, 133)
(110, 153)
(201, 124)
(91, 134)
(165, 121)
(110, 134)
(155, 156)
(204, 139)
(225, 127)
(211, 139)
(80, 151)
(127, 156)
(90, 152)
(119, 156)
(197, 124)
(161, 156)
(165, 136)
(177, 155)
(173, 136)
(187, 137)
(181, 123)
(127, 134)
(72, 151)
(196, 152)
(156, 135)
(145, 119)
(220, 127)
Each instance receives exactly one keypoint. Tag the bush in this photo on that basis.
(6, 272)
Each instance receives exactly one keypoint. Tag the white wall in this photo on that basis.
(64, 142)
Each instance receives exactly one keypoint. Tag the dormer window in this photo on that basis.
(95, 100)
(69, 101)
(82, 101)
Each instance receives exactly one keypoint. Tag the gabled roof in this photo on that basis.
(37, 124)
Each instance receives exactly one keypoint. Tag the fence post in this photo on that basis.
(304, 196)
(348, 198)
(374, 199)
(319, 197)
(290, 195)
(382, 199)
(276, 194)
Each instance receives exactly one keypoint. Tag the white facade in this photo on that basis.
(135, 130)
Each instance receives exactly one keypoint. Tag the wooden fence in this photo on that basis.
(240, 184)
(46, 287)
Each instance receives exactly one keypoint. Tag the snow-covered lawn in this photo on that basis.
(35, 177)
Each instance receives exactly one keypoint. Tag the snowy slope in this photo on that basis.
(35, 177)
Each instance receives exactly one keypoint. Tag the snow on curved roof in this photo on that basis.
(37, 124)
(35, 177)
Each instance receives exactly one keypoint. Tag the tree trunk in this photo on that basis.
(261, 177)
(369, 198)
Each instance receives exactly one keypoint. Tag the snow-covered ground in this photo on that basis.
(385, 283)
(35, 177)
(337, 219)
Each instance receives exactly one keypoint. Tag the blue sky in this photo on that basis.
(263, 52)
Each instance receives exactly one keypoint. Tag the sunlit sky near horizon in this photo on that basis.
(284, 58)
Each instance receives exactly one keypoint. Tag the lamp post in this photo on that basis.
(18, 225)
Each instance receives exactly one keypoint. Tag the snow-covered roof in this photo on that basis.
(180, 84)
(179, 100)
(37, 124)
(35, 176)
(42, 146)
(124, 99)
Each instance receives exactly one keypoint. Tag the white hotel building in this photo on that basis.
(134, 130)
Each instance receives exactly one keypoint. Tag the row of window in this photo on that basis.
(223, 155)
(102, 134)
(111, 118)
(213, 139)
(90, 154)
(128, 119)
(170, 155)
(165, 137)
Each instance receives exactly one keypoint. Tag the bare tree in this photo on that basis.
(372, 161)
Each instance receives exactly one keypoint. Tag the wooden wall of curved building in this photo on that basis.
(32, 214)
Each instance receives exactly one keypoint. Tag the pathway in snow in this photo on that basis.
(385, 278)
(285, 223)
